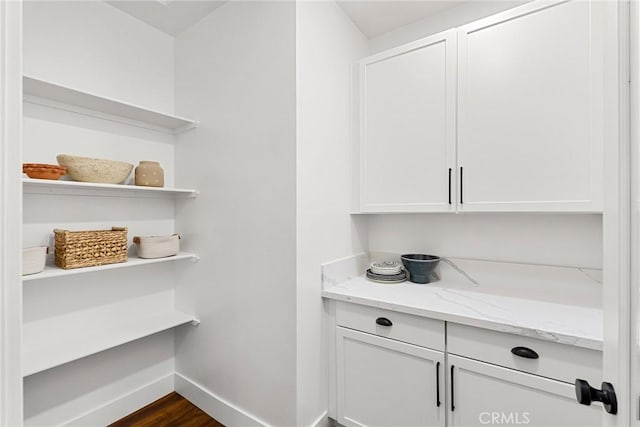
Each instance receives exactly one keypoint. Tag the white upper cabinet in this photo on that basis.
(517, 105)
(531, 109)
(407, 127)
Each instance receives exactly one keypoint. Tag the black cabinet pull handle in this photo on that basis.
(525, 352)
(453, 407)
(449, 185)
(438, 384)
(461, 201)
(383, 321)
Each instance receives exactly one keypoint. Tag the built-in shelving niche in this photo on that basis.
(40, 352)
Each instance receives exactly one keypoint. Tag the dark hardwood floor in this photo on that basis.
(171, 410)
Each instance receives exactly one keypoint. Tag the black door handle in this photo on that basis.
(453, 407)
(438, 384)
(585, 394)
(525, 352)
(383, 321)
(461, 202)
(449, 185)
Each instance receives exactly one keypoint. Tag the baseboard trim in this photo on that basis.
(322, 420)
(223, 411)
(126, 404)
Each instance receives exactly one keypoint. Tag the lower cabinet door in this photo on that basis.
(481, 394)
(383, 382)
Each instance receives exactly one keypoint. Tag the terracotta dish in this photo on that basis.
(43, 171)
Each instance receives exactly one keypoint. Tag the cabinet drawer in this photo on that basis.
(404, 327)
(559, 361)
(483, 392)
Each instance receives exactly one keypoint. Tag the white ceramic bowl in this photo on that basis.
(157, 246)
(33, 259)
(87, 169)
(386, 268)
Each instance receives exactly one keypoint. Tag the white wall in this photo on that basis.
(235, 72)
(97, 48)
(551, 239)
(325, 229)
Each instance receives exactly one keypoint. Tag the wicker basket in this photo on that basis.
(75, 249)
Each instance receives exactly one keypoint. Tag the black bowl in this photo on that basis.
(419, 266)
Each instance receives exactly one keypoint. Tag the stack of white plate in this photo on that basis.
(386, 272)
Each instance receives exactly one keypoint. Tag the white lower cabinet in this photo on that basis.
(484, 394)
(384, 382)
(393, 369)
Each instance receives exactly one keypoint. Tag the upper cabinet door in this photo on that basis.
(407, 127)
(531, 108)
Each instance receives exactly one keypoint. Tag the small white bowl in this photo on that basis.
(157, 246)
(33, 259)
(386, 268)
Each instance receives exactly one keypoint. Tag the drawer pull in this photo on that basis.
(383, 321)
(525, 352)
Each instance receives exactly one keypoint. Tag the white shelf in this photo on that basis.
(47, 186)
(68, 349)
(52, 271)
(53, 95)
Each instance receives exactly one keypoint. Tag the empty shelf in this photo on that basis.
(58, 96)
(68, 349)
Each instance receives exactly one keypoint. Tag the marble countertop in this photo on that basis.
(559, 304)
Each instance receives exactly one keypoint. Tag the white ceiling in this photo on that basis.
(372, 17)
(375, 17)
(169, 16)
